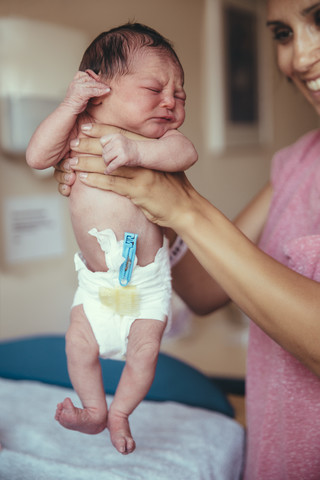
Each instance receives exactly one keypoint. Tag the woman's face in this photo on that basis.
(295, 25)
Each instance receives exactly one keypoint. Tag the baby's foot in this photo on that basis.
(120, 433)
(85, 420)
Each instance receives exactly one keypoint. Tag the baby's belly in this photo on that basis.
(93, 208)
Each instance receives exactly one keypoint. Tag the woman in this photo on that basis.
(274, 283)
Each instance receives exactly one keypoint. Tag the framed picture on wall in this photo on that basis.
(238, 76)
(241, 66)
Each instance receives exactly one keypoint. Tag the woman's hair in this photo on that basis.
(111, 53)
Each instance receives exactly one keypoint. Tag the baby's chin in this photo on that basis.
(156, 130)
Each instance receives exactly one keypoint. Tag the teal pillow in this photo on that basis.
(43, 359)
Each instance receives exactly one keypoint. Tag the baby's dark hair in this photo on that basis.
(111, 52)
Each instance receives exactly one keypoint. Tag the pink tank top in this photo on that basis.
(283, 396)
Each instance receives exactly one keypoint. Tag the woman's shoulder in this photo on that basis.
(302, 144)
(303, 150)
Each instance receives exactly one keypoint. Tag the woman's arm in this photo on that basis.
(190, 279)
(281, 302)
(194, 284)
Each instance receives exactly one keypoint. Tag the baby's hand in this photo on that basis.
(85, 85)
(119, 150)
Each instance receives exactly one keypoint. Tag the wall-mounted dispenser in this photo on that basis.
(19, 118)
(38, 61)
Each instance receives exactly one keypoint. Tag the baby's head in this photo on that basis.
(111, 53)
(146, 80)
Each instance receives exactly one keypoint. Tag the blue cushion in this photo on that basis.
(43, 359)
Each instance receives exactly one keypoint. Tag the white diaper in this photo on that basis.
(110, 308)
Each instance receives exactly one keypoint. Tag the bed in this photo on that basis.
(184, 429)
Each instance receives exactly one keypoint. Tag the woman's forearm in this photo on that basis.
(281, 302)
(196, 287)
(193, 283)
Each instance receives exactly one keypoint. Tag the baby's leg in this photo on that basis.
(85, 375)
(136, 379)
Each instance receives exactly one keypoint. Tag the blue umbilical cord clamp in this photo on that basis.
(128, 253)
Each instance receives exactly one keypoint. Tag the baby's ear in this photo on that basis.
(93, 75)
(95, 101)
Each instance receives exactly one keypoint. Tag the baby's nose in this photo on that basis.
(168, 101)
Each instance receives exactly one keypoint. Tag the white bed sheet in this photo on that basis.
(174, 441)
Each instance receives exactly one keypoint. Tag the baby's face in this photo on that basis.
(149, 100)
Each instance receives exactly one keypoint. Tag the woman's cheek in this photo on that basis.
(284, 62)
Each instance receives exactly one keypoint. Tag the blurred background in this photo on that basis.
(41, 44)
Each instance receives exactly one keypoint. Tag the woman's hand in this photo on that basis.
(65, 176)
(64, 173)
(152, 191)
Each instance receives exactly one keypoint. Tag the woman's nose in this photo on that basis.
(306, 50)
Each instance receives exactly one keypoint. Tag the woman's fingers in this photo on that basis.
(88, 163)
(91, 142)
(95, 135)
(122, 181)
(65, 177)
(64, 165)
(98, 130)
(65, 181)
(64, 189)
(154, 192)
(93, 164)
(128, 182)
(86, 145)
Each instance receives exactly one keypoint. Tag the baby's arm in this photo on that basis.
(50, 141)
(173, 152)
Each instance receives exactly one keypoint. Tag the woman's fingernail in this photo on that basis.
(73, 161)
(66, 165)
(74, 142)
(67, 177)
(83, 175)
(86, 127)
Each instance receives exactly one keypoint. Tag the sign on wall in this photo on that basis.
(33, 228)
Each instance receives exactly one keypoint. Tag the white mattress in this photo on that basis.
(174, 441)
